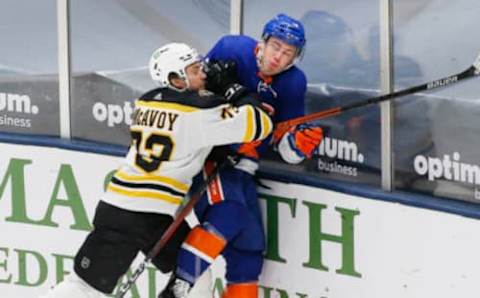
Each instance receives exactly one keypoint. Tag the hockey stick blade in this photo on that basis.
(282, 127)
(191, 202)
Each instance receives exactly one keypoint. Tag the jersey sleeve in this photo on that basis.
(293, 105)
(292, 97)
(218, 50)
(230, 47)
(227, 125)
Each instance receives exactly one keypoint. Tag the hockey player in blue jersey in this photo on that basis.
(229, 213)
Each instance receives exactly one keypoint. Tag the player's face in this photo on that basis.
(277, 55)
(196, 76)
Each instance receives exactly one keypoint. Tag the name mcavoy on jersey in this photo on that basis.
(154, 118)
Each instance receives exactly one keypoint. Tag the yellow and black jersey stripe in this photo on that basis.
(259, 124)
(153, 187)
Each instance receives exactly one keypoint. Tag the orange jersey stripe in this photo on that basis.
(206, 242)
(214, 189)
(241, 290)
(250, 149)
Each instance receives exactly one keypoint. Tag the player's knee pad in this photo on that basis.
(72, 287)
(204, 242)
(242, 266)
(241, 290)
(198, 251)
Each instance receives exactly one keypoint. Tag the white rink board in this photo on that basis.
(399, 251)
(43, 243)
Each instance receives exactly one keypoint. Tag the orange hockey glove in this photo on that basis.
(304, 139)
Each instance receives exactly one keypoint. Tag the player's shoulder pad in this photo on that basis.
(234, 43)
(152, 94)
(291, 82)
(201, 100)
(293, 73)
(235, 39)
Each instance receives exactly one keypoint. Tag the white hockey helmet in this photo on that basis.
(172, 58)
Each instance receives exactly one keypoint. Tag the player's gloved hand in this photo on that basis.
(304, 139)
(238, 95)
(234, 92)
(220, 153)
(220, 74)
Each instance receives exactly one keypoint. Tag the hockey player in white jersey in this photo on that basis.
(173, 129)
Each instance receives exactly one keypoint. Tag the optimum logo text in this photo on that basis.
(340, 150)
(448, 168)
(19, 104)
(113, 114)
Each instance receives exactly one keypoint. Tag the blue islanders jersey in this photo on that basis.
(284, 91)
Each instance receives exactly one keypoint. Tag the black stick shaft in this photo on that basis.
(284, 126)
(424, 87)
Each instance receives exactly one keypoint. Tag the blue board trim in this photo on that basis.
(75, 145)
(462, 208)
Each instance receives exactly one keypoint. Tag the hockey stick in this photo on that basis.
(160, 244)
(282, 127)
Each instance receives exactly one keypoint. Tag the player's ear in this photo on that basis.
(177, 82)
(261, 45)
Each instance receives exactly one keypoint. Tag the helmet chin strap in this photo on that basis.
(259, 54)
(179, 89)
(187, 84)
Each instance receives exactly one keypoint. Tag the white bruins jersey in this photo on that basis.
(172, 135)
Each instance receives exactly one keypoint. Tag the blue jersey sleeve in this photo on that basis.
(291, 95)
(213, 54)
(220, 50)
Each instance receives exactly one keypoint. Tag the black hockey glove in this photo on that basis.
(220, 153)
(238, 95)
(234, 92)
(220, 75)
